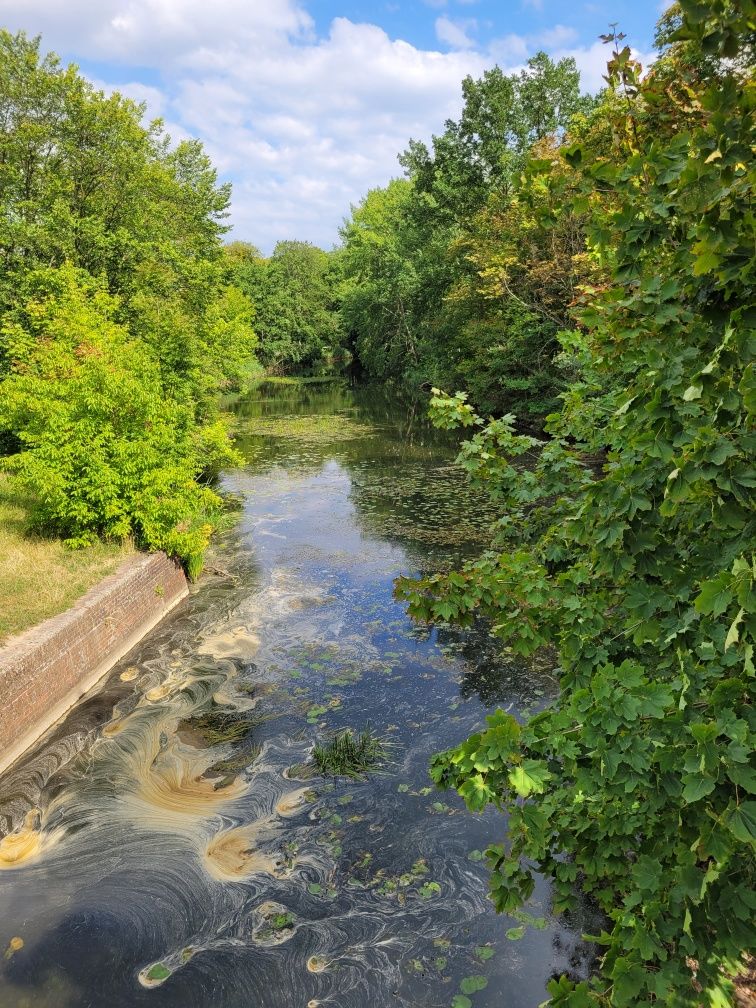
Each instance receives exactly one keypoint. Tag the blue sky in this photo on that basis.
(304, 104)
(415, 20)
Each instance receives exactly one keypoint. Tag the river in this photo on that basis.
(168, 843)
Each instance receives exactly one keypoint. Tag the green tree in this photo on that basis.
(101, 447)
(420, 256)
(94, 202)
(502, 117)
(637, 783)
(296, 304)
(382, 281)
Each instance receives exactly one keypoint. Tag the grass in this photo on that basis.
(350, 755)
(40, 577)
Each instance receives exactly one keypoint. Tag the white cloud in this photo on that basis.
(556, 37)
(303, 124)
(153, 32)
(510, 49)
(454, 33)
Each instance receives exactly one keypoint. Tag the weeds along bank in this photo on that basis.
(119, 323)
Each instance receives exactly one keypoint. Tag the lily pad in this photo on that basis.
(472, 984)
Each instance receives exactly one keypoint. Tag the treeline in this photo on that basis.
(454, 273)
(626, 538)
(119, 320)
(297, 297)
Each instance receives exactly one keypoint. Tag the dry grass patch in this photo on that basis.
(40, 577)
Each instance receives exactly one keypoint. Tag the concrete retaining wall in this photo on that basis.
(45, 670)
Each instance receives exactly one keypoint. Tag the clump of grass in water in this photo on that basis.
(349, 754)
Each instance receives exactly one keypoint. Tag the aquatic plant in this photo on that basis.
(350, 755)
(216, 726)
(313, 429)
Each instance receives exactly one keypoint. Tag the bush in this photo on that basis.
(102, 448)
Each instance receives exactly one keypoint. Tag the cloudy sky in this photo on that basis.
(305, 104)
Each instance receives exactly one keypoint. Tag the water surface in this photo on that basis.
(166, 844)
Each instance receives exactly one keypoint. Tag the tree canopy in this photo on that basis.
(420, 298)
(626, 543)
(118, 323)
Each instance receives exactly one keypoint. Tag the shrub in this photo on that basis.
(102, 448)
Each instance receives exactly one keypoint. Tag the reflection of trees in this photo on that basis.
(271, 398)
(495, 677)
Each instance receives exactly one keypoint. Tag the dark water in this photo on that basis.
(164, 845)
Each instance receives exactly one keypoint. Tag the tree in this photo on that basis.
(428, 293)
(637, 783)
(94, 202)
(502, 117)
(295, 298)
(101, 447)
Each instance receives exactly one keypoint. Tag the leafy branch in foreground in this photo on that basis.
(637, 784)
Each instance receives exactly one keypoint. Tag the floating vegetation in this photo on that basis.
(227, 769)
(349, 754)
(316, 964)
(216, 727)
(14, 945)
(437, 507)
(412, 882)
(296, 380)
(315, 429)
(275, 924)
(154, 975)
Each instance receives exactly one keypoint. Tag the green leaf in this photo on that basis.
(472, 984)
(705, 263)
(742, 822)
(715, 595)
(475, 792)
(158, 972)
(515, 933)
(529, 778)
(460, 1001)
(429, 890)
(733, 634)
(696, 787)
(743, 775)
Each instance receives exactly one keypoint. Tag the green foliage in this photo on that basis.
(350, 755)
(626, 542)
(394, 271)
(502, 117)
(296, 305)
(118, 322)
(103, 450)
(451, 272)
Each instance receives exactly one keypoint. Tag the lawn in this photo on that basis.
(40, 577)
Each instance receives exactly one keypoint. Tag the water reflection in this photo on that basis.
(163, 845)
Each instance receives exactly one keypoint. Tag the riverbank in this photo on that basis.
(46, 669)
(40, 577)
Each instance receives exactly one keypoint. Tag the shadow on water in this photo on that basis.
(163, 846)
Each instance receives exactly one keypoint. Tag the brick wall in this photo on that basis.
(45, 670)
